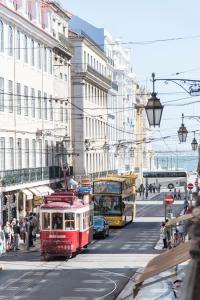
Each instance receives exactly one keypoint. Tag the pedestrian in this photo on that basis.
(2, 242)
(185, 205)
(154, 188)
(16, 232)
(180, 231)
(175, 194)
(179, 194)
(176, 240)
(8, 234)
(163, 235)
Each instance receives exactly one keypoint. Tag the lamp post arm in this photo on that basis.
(176, 81)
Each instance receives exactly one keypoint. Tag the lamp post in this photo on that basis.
(194, 143)
(154, 108)
(182, 132)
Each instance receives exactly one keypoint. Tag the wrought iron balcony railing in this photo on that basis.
(21, 176)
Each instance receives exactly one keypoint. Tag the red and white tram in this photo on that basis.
(66, 224)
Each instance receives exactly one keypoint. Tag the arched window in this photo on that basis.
(10, 40)
(1, 36)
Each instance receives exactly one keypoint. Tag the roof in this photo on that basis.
(117, 179)
(173, 222)
(165, 261)
(62, 205)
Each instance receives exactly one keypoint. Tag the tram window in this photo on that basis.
(69, 221)
(57, 221)
(46, 221)
(91, 218)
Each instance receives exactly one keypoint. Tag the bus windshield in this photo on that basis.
(107, 205)
(103, 187)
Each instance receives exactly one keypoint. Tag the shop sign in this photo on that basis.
(37, 201)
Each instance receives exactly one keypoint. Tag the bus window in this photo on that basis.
(46, 221)
(69, 221)
(57, 221)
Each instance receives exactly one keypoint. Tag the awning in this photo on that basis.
(35, 192)
(174, 221)
(165, 261)
(44, 190)
(28, 194)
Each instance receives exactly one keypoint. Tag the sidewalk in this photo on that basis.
(150, 197)
(36, 248)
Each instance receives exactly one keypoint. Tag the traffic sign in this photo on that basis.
(170, 186)
(190, 186)
(169, 199)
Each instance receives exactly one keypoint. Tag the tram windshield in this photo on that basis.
(107, 205)
(57, 220)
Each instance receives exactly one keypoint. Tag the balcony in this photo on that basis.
(21, 176)
(65, 42)
(98, 75)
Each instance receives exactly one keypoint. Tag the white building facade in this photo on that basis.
(90, 86)
(35, 88)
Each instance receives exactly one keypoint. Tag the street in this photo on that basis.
(99, 272)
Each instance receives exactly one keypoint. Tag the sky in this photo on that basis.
(151, 20)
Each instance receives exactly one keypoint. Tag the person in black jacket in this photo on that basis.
(16, 231)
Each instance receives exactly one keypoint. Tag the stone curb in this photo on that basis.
(127, 292)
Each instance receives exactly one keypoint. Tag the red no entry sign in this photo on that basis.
(169, 199)
(190, 186)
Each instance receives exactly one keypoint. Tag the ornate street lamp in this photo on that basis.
(182, 132)
(154, 108)
(194, 143)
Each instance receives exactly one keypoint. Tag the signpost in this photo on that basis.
(168, 201)
(190, 186)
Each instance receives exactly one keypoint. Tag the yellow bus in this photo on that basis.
(114, 198)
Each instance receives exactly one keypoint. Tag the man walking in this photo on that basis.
(16, 231)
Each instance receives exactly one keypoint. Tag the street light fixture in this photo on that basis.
(182, 132)
(194, 143)
(154, 108)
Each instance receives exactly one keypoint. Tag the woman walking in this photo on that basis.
(8, 235)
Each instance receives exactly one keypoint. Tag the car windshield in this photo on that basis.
(98, 222)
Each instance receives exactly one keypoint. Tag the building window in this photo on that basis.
(61, 75)
(65, 77)
(40, 153)
(1, 36)
(45, 106)
(11, 153)
(25, 49)
(51, 108)
(61, 112)
(45, 59)
(33, 103)
(33, 153)
(66, 115)
(10, 97)
(10, 40)
(39, 56)
(18, 44)
(19, 104)
(50, 61)
(2, 153)
(1, 94)
(19, 152)
(52, 153)
(26, 153)
(46, 154)
(25, 100)
(39, 105)
(32, 53)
